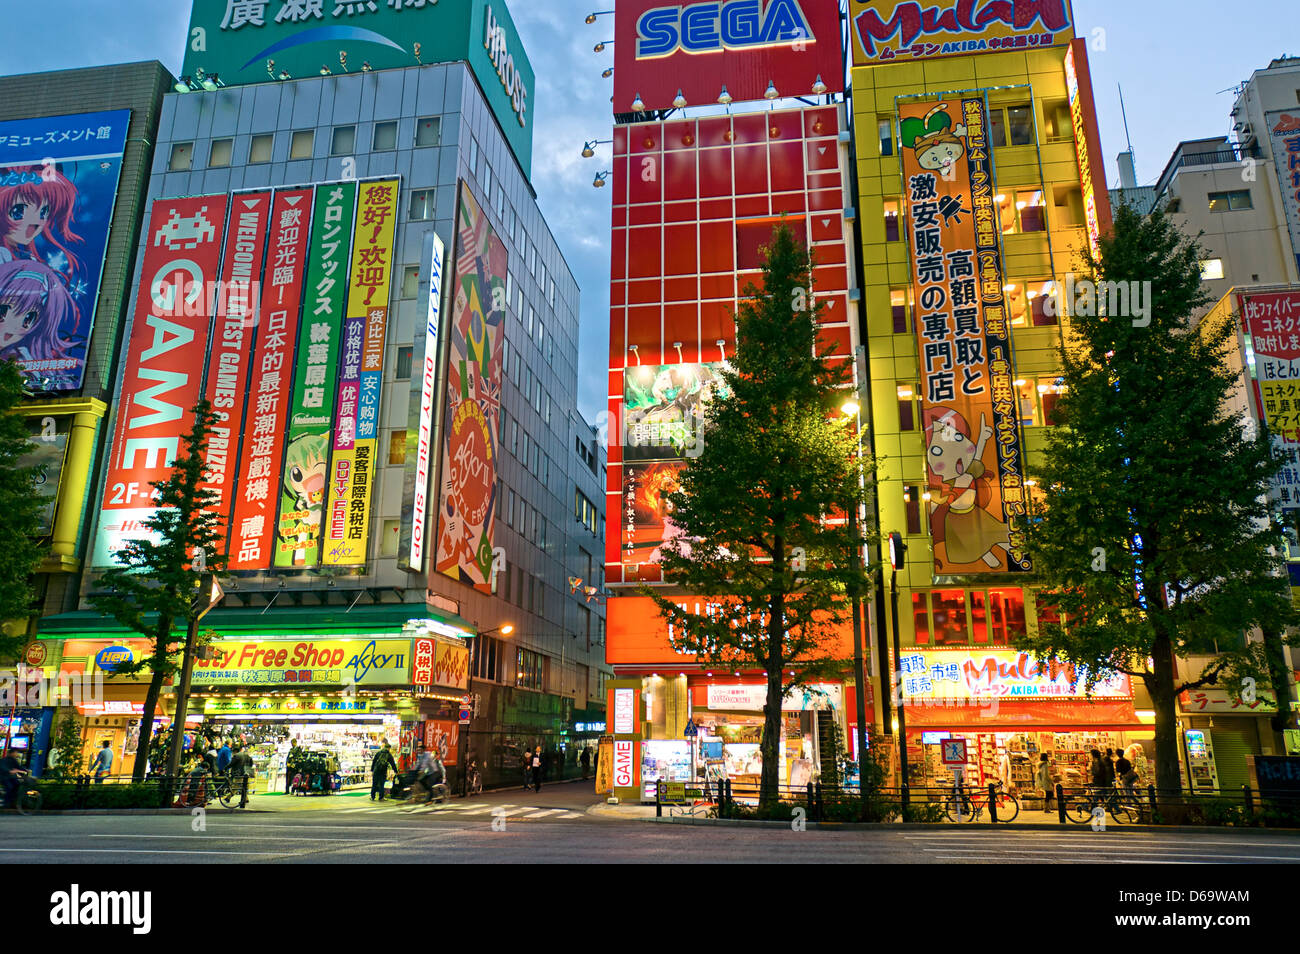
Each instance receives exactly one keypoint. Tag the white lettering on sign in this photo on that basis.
(625, 710)
(751, 698)
(424, 440)
(494, 41)
(623, 763)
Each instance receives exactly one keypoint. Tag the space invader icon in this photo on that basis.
(185, 233)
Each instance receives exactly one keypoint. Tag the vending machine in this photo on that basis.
(1202, 777)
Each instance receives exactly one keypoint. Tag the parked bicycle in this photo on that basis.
(968, 805)
(228, 789)
(473, 779)
(1124, 808)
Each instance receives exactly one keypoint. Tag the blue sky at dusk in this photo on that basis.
(1172, 59)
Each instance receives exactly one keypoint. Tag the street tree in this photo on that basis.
(155, 586)
(20, 509)
(1155, 543)
(758, 522)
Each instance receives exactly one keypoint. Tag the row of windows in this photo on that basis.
(585, 511)
(302, 144)
(994, 617)
(1021, 211)
(1008, 126)
(1026, 301)
(1037, 401)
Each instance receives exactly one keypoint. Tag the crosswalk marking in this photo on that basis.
(463, 808)
(543, 813)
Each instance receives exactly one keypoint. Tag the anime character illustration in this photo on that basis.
(306, 461)
(938, 144)
(665, 408)
(39, 205)
(954, 462)
(35, 310)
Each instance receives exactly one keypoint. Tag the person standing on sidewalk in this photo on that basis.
(526, 763)
(103, 762)
(379, 767)
(586, 762)
(537, 769)
(1044, 779)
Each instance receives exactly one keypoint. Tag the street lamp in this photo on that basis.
(599, 181)
(600, 47)
(591, 17)
(589, 148)
(209, 595)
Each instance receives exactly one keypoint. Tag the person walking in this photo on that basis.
(526, 763)
(1124, 770)
(1044, 780)
(537, 769)
(1097, 771)
(1108, 769)
(379, 766)
(586, 762)
(224, 755)
(102, 764)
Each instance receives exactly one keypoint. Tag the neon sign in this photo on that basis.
(709, 27)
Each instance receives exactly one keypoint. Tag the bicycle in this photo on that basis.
(967, 805)
(28, 798)
(228, 789)
(422, 793)
(1122, 807)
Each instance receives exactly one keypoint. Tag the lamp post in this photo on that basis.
(852, 410)
(210, 594)
(897, 554)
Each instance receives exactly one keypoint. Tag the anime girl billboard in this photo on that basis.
(58, 185)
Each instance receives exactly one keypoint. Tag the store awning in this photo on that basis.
(1063, 714)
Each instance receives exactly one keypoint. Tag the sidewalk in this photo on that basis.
(573, 795)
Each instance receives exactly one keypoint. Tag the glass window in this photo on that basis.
(906, 407)
(541, 333)
(422, 205)
(949, 617)
(1020, 125)
(410, 281)
(343, 142)
(912, 509)
(921, 618)
(886, 128)
(550, 296)
(385, 137)
(259, 148)
(505, 356)
(510, 510)
(222, 154)
(471, 155)
(403, 369)
(1040, 292)
(397, 447)
(1226, 201)
(979, 617)
(182, 157)
(300, 146)
(891, 221)
(532, 317)
(997, 128)
(514, 438)
(898, 298)
(1033, 213)
(1211, 269)
(1006, 616)
(487, 185)
(1028, 398)
(1049, 391)
(428, 131)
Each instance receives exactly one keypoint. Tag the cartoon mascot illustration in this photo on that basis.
(961, 519)
(938, 144)
(306, 461)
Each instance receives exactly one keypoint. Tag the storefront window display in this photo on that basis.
(664, 762)
(347, 746)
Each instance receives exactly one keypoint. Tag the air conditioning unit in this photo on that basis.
(1245, 133)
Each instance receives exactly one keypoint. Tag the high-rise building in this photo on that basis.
(390, 341)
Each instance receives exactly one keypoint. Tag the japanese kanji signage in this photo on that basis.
(1272, 323)
(892, 31)
(973, 458)
(1087, 144)
(307, 447)
(469, 472)
(960, 675)
(252, 524)
(356, 434)
(1284, 137)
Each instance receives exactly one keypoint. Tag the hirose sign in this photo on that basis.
(886, 31)
(744, 45)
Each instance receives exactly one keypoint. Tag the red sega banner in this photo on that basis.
(232, 341)
(697, 50)
(164, 362)
(252, 523)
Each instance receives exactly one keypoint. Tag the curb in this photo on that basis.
(143, 811)
(969, 826)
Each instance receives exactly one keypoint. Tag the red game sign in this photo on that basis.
(744, 45)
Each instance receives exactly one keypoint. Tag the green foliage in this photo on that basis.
(63, 796)
(20, 509)
(927, 813)
(66, 740)
(753, 507)
(1156, 539)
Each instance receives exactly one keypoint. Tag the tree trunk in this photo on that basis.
(1160, 684)
(161, 638)
(768, 793)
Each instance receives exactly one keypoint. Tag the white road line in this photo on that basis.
(543, 813)
(341, 841)
(136, 851)
(1097, 855)
(1091, 841)
(570, 815)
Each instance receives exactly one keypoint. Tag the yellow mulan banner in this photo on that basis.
(361, 374)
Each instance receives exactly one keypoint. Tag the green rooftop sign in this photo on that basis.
(263, 41)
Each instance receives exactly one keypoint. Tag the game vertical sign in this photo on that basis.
(307, 441)
(973, 464)
(237, 318)
(356, 438)
(252, 523)
(161, 381)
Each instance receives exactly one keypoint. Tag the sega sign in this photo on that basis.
(110, 657)
(745, 45)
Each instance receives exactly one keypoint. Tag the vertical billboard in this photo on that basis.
(1087, 144)
(891, 31)
(356, 435)
(256, 494)
(697, 50)
(49, 451)
(468, 492)
(973, 458)
(164, 361)
(236, 321)
(305, 469)
(1271, 322)
(58, 184)
(1284, 138)
(415, 496)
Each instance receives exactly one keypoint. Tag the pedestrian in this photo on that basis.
(537, 769)
(1108, 766)
(241, 763)
(379, 766)
(1098, 772)
(210, 758)
(1045, 780)
(11, 771)
(1124, 769)
(223, 757)
(526, 762)
(291, 766)
(102, 764)
(586, 762)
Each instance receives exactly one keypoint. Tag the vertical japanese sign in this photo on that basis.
(252, 523)
(468, 491)
(164, 363)
(973, 463)
(1284, 138)
(1271, 321)
(356, 437)
(1087, 143)
(307, 442)
(237, 317)
(417, 490)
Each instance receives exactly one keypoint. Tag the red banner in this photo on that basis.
(696, 49)
(232, 339)
(162, 381)
(997, 715)
(422, 662)
(443, 736)
(252, 524)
